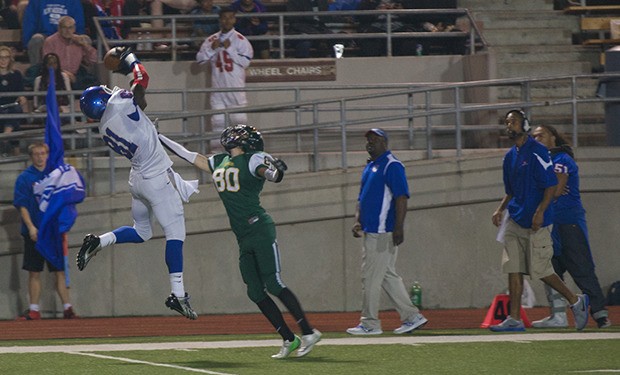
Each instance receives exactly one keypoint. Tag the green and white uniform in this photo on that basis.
(239, 186)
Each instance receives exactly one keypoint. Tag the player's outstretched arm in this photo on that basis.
(199, 160)
(275, 172)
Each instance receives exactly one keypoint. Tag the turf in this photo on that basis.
(522, 357)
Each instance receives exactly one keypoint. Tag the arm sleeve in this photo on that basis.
(244, 54)
(396, 180)
(178, 149)
(20, 197)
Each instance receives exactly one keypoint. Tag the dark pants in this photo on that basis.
(577, 260)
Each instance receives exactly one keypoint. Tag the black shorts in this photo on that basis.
(33, 260)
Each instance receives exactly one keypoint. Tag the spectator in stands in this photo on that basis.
(41, 83)
(378, 24)
(75, 51)
(308, 25)
(174, 7)
(41, 19)
(104, 8)
(229, 53)
(336, 5)
(10, 81)
(10, 14)
(205, 26)
(253, 25)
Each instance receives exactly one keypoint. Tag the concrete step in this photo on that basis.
(537, 69)
(547, 92)
(528, 36)
(515, 56)
(507, 4)
(526, 19)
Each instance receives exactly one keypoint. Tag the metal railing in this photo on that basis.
(278, 31)
(418, 113)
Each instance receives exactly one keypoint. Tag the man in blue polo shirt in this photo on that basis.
(529, 183)
(379, 218)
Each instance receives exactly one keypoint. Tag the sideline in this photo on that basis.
(402, 340)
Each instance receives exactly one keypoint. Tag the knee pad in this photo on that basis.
(144, 231)
(274, 285)
(256, 293)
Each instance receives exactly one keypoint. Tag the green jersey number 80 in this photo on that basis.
(226, 179)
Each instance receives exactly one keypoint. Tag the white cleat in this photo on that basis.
(308, 341)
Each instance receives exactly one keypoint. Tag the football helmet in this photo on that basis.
(245, 136)
(94, 101)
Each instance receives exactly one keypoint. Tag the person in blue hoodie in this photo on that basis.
(41, 20)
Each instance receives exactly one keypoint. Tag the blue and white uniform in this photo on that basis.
(129, 132)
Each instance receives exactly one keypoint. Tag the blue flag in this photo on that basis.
(59, 191)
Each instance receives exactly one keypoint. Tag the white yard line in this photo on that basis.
(122, 359)
(387, 340)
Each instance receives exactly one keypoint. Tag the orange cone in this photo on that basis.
(499, 310)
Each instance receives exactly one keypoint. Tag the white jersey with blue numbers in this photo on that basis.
(129, 132)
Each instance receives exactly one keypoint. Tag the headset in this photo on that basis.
(525, 123)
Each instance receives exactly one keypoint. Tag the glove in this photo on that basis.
(278, 164)
(275, 173)
(128, 60)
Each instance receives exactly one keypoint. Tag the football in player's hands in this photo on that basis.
(112, 58)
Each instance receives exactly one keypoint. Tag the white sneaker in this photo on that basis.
(418, 322)
(557, 320)
(361, 330)
(308, 341)
(287, 348)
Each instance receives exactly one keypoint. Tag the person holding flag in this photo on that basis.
(26, 203)
(45, 195)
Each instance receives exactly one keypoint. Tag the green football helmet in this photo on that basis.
(245, 136)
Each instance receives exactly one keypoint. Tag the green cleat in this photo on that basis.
(287, 348)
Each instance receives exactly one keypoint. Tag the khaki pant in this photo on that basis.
(379, 272)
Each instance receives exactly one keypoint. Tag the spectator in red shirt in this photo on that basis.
(75, 51)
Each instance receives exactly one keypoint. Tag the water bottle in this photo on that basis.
(139, 45)
(148, 45)
(416, 295)
(418, 50)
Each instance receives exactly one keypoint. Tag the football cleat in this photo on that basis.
(308, 341)
(287, 348)
(181, 305)
(90, 248)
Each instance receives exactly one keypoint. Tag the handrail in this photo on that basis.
(282, 18)
(342, 117)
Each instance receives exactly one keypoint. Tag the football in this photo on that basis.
(111, 60)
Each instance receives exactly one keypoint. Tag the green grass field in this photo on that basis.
(528, 353)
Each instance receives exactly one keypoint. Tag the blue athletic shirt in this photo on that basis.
(567, 208)
(383, 180)
(23, 195)
(527, 173)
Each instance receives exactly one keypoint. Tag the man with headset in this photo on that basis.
(529, 183)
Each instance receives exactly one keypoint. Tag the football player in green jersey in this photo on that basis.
(239, 176)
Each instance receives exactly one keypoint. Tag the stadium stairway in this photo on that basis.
(531, 39)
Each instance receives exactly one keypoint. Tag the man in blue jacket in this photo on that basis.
(41, 19)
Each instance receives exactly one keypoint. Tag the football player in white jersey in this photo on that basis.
(229, 53)
(154, 187)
